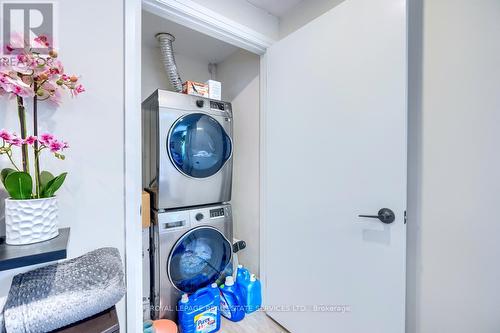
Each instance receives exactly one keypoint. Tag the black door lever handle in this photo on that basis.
(385, 215)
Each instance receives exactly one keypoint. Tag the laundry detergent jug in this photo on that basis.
(231, 304)
(242, 274)
(199, 313)
(251, 293)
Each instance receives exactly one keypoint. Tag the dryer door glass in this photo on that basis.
(198, 259)
(198, 146)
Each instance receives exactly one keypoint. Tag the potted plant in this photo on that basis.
(31, 211)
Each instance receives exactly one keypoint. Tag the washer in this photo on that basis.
(192, 250)
(187, 148)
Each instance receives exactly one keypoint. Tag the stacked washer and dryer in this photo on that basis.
(187, 169)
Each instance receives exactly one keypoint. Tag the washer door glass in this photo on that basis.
(198, 259)
(198, 145)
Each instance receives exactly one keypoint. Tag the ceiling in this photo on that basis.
(276, 7)
(187, 42)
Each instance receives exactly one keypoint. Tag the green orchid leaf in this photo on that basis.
(53, 185)
(60, 156)
(19, 185)
(5, 172)
(45, 178)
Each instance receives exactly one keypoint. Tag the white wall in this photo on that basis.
(92, 199)
(154, 76)
(236, 72)
(454, 173)
(246, 14)
(239, 75)
(303, 13)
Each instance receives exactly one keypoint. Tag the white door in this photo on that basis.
(335, 148)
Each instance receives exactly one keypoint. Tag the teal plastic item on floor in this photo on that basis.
(199, 313)
(251, 293)
(231, 303)
(148, 327)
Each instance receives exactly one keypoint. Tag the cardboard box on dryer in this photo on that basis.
(195, 88)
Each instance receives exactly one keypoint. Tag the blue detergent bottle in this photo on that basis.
(254, 294)
(251, 291)
(199, 313)
(231, 305)
(242, 274)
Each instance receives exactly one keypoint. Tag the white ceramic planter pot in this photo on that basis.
(31, 221)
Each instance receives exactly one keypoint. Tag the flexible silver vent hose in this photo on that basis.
(168, 59)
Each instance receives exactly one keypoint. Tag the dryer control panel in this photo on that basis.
(219, 212)
(217, 105)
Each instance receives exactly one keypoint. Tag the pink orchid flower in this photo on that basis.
(16, 42)
(22, 57)
(52, 94)
(78, 90)
(5, 135)
(55, 98)
(45, 139)
(30, 140)
(15, 86)
(57, 67)
(21, 91)
(4, 83)
(25, 63)
(56, 146)
(15, 141)
(42, 40)
(11, 138)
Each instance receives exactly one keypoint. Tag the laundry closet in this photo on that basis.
(189, 192)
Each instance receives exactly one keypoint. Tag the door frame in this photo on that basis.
(197, 17)
(204, 20)
(209, 22)
(132, 164)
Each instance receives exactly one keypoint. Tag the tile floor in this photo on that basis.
(257, 322)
